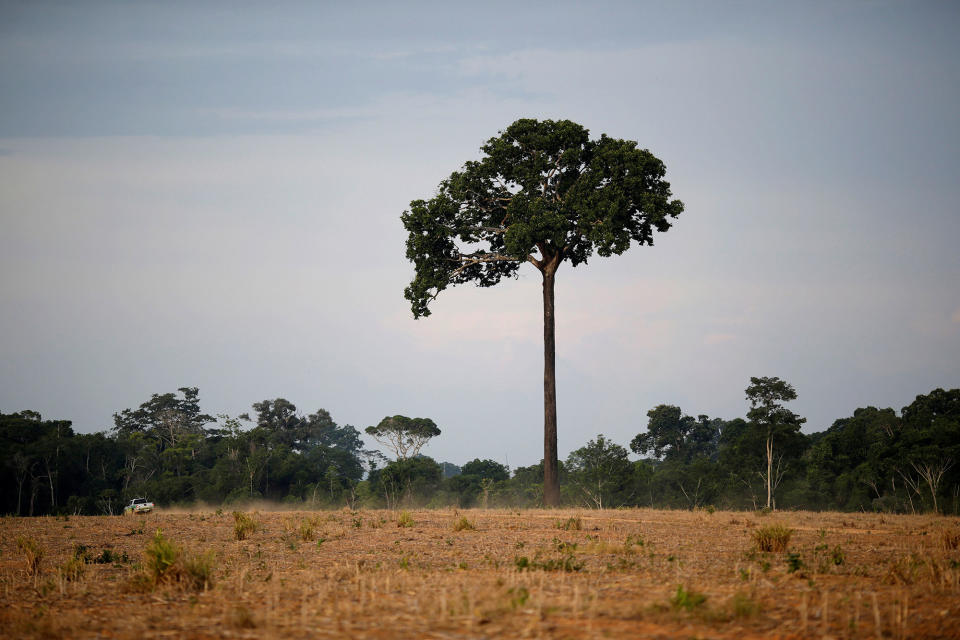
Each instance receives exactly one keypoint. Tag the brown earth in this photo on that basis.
(633, 573)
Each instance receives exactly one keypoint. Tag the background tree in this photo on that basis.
(408, 480)
(846, 468)
(402, 435)
(543, 193)
(477, 479)
(685, 449)
(601, 470)
(673, 436)
(929, 443)
(775, 422)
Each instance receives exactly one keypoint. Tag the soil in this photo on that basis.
(530, 573)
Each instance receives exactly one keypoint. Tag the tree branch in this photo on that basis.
(471, 259)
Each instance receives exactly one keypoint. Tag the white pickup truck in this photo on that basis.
(139, 505)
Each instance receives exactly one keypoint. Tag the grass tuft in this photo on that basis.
(197, 570)
(160, 556)
(244, 525)
(772, 538)
(306, 531)
(72, 569)
(462, 524)
(405, 519)
(32, 553)
(570, 524)
(166, 564)
(950, 539)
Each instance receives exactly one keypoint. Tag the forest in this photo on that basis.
(168, 449)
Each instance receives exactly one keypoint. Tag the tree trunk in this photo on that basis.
(53, 496)
(551, 477)
(19, 493)
(769, 470)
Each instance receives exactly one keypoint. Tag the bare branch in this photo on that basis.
(479, 258)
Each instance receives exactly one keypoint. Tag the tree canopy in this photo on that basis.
(402, 435)
(543, 193)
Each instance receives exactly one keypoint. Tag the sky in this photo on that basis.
(209, 194)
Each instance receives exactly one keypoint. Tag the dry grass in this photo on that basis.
(622, 574)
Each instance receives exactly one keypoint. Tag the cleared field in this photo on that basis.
(477, 574)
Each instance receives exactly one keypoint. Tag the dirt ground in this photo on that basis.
(635, 573)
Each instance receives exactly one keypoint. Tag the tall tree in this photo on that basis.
(542, 193)
(766, 396)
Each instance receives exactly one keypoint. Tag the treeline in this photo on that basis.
(169, 450)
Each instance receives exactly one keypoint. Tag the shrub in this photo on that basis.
(108, 556)
(243, 525)
(463, 525)
(32, 553)
(774, 537)
(794, 562)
